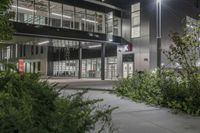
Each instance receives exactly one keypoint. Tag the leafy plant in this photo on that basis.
(6, 30)
(177, 88)
(142, 87)
(28, 105)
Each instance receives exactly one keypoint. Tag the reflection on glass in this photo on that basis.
(100, 18)
(117, 26)
(14, 10)
(79, 18)
(90, 21)
(25, 11)
(68, 16)
(42, 12)
(55, 14)
(45, 12)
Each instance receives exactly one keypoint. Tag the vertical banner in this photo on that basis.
(21, 66)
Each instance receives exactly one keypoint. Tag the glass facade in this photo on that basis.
(91, 68)
(135, 20)
(44, 12)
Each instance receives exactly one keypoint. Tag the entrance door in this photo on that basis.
(112, 71)
(127, 69)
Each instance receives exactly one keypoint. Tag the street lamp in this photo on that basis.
(158, 30)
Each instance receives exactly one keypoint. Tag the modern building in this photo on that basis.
(105, 39)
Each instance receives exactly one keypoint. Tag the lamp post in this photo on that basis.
(158, 31)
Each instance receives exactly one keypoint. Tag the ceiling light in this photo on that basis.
(60, 15)
(44, 42)
(88, 20)
(94, 46)
(25, 9)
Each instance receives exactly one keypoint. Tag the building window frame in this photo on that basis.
(136, 20)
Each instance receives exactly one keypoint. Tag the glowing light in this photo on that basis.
(60, 15)
(41, 43)
(25, 9)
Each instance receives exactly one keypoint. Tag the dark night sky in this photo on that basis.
(119, 3)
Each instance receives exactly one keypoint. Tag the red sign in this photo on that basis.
(21, 66)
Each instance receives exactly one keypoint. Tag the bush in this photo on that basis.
(30, 106)
(180, 93)
(169, 90)
(141, 87)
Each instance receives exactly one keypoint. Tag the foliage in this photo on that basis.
(28, 105)
(6, 29)
(142, 87)
(170, 90)
(177, 88)
(180, 93)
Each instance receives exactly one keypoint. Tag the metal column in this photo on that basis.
(103, 51)
(80, 62)
(159, 32)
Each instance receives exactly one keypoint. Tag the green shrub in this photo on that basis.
(140, 87)
(180, 93)
(30, 106)
(170, 89)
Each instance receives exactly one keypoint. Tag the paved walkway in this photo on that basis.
(92, 84)
(133, 117)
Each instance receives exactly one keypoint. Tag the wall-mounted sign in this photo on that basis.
(21, 66)
(128, 58)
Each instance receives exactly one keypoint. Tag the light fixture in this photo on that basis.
(88, 20)
(60, 15)
(23, 8)
(94, 46)
(158, 1)
(44, 42)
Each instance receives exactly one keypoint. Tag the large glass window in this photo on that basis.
(25, 11)
(109, 26)
(42, 12)
(80, 18)
(117, 26)
(135, 15)
(14, 10)
(100, 19)
(68, 16)
(90, 20)
(56, 14)
(45, 12)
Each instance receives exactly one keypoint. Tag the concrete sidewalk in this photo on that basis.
(92, 84)
(134, 117)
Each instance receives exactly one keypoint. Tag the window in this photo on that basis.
(24, 50)
(14, 10)
(42, 12)
(32, 50)
(20, 50)
(80, 18)
(117, 26)
(90, 20)
(56, 14)
(100, 19)
(36, 50)
(41, 50)
(109, 26)
(25, 11)
(33, 67)
(68, 16)
(39, 66)
(135, 20)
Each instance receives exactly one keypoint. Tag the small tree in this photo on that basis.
(6, 30)
(185, 52)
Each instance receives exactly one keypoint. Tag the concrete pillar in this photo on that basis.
(103, 52)
(80, 62)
